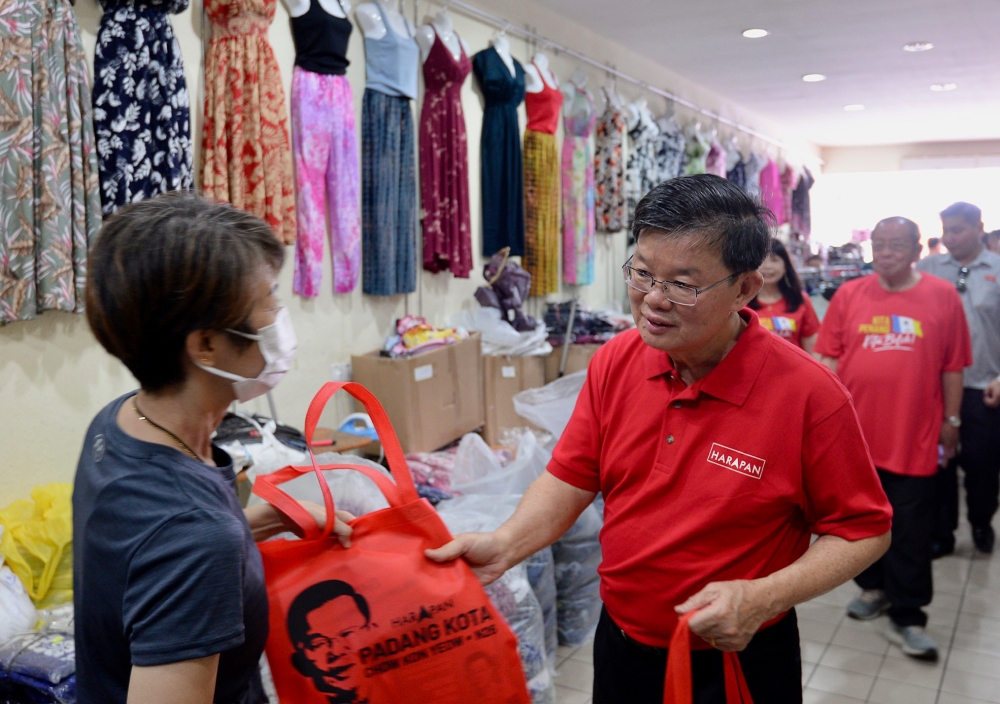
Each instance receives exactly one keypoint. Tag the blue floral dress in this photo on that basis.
(141, 106)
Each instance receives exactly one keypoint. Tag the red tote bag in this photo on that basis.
(378, 622)
(678, 688)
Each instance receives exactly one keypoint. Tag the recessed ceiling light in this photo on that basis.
(813, 77)
(918, 46)
(755, 33)
(857, 107)
(943, 87)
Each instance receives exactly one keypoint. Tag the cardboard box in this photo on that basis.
(577, 360)
(502, 378)
(432, 399)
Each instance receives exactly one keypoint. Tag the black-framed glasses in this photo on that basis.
(673, 291)
(963, 274)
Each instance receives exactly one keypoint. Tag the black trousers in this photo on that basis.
(628, 673)
(979, 458)
(904, 572)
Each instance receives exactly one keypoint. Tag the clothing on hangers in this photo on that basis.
(770, 191)
(669, 146)
(578, 188)
(321, 40)
(609, 168)
(325, 146)
(141, 107)
(801, 208)
(388, 181)
(51, 207)
(715, 160)
(502, 171)
(642, 171)
(246, 154)
(542, 190)
(326, 177)
(444, 163)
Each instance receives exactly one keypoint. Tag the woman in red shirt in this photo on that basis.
(781, 305)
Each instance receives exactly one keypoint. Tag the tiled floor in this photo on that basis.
(847, 661)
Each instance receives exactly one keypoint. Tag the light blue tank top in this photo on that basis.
(392, 61)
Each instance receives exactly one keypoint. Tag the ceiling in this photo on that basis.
(856, 43)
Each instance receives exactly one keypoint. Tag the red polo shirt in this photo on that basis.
(893, 347)
(724, 479)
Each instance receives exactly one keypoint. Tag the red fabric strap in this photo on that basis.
(677, 688)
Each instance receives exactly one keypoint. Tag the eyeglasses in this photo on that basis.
(894, 245)
(963, 273)
(681, 294)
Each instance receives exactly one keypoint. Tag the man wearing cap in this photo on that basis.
(720, 450)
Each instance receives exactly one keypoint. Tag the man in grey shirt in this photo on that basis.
(975, 271)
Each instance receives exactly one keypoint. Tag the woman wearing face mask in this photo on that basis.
(168, 582)
(782, 306)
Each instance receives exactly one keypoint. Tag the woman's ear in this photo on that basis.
(201, 348)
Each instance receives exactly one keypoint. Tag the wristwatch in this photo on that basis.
(953, 421)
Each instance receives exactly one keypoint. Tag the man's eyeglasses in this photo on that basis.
(673, 291)
(894, 245)
(963, 274)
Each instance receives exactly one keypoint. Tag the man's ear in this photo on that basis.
(749, 284)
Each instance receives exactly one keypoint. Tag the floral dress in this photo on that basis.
(141, 108)
(246, 155)
(609, 169)
(50, 208)
(641, 173)
(579, 117)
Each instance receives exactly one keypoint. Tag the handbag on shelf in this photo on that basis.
(379, 622)
(678, 687)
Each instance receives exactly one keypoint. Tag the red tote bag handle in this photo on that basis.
(677, 688)
(401, 492)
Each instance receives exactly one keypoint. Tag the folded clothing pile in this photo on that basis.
(38, 667)
(589, 327)
(436, 470)
(415, 336)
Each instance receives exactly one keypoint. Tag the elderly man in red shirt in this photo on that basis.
(899, 341)
(720, 449)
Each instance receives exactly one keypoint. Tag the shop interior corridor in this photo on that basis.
(846, 661)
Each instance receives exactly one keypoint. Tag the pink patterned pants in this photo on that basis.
(325, 146)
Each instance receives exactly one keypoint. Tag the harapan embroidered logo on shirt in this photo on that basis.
(891, 332)
(736, 461)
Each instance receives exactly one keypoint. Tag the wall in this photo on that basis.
(54, 377)
(897, 157)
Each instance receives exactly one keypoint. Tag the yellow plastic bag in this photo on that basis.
(37, 543)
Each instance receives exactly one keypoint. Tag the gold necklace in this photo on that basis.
(180, 443)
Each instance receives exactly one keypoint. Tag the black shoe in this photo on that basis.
(984, 539)
(940, 548)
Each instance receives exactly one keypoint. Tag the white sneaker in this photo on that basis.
(913, 640)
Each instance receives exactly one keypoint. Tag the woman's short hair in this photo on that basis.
(719, 213)
(166, 267)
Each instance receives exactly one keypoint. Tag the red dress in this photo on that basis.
(245, 152)
(444, 164)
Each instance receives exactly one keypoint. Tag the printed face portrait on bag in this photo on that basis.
(321, 624)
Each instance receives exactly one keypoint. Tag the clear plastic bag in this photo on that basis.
(577, 556)
(541, 568)
(17, 613)
(551, 406)
(479, 471)
(512, 594)
(352, 491)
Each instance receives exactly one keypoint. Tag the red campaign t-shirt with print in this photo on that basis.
(724, 479)
(893, 347)
(791, 325)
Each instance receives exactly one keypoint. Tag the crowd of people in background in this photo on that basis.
(918, 346)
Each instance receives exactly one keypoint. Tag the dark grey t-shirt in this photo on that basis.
(165, 568)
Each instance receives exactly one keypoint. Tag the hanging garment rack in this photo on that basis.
(507, 26)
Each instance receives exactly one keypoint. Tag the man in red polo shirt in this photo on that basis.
(707, 507)
(899, 341)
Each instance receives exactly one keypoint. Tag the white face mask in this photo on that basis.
(277, 344)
